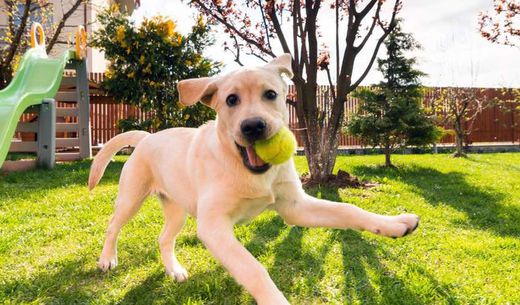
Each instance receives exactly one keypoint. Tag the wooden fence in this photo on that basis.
(492, 125)
(105, 115)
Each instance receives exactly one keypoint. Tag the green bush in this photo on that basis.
(146, 62)
(391, 114)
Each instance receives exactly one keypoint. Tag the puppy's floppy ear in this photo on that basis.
(282, 64)
(196, 89)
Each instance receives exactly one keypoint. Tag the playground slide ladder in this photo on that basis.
(81, 110)
(78, 102)
(76, 109)
(73, 92)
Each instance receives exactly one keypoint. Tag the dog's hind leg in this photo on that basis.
(174, 219)
(133, 189)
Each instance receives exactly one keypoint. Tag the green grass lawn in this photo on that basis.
(466, 251)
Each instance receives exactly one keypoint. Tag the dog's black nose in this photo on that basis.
(253, 129)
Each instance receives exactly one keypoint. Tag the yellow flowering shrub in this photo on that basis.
(120, 33)
(146, 62)
(170, 27)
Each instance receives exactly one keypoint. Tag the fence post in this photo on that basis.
(47, 134)
(513, 126)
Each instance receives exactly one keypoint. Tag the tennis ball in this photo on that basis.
(278, 148)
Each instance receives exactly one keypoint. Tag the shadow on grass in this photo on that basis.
(482, 206)
(367, 279)
(296, 271)
(264, 232)
(65, 283)
(145, 290)
(361, 258)
(24, 184)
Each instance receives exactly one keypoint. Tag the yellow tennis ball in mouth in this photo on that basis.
(278, 148)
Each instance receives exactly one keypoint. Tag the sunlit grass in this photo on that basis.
(466, 251)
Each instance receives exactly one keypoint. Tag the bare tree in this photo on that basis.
(18, 24)
(458, 107)
(355, 23)
(502, 24)
(74, 5)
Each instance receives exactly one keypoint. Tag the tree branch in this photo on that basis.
(237, 53)
(296, 55)
(386, 32)
(232, 28)
(311, 25)
(61, 24)
(276, 24)
(264, 22)
(331, 84)
(258, 56)
(371, 30)
(337, 39)
(347, 64)
(17, 37)
(369, 7)
(304, 56)
(10, 18)
(370, 63)
(39, 7)
(316, 7)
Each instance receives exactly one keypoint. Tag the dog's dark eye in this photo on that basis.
(270, 95)
(232, 100)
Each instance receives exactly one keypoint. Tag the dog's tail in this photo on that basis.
(103, 157)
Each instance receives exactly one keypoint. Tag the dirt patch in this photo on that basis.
(341, 180)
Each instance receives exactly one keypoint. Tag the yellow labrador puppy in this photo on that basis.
(213, 174)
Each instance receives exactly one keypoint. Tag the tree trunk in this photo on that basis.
(459, 138)
(388, 152)
(322, 156)
(16, 42)
(320, 143)
(5, 76)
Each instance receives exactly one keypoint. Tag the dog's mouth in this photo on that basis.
(251, 160)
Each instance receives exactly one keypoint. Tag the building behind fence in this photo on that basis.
(494, 124)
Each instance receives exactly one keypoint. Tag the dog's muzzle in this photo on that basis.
(251, 160)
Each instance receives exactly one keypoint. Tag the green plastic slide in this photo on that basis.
(38, 77)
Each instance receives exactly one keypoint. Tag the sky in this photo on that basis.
(453, 52)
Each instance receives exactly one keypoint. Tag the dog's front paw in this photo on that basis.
(410, 222)
(106, 263)
(398, 226)
(179, 273)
